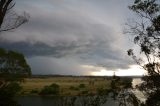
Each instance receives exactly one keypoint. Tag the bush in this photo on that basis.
(8, 92)
(127, 83)
(53, 89)
(34, 91)
(85, 92)
(82, 86)
(73, 88)
(11, 89)
(102, 91)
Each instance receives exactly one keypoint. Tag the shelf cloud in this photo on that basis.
(63, 35)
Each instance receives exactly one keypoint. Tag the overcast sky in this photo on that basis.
(74, 37)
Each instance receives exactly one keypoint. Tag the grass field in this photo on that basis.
(68, 85)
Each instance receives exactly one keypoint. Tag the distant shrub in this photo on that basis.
(102, 91)
(82, 85)
(90, 94)
(73, 88)
(127, 83)
(85, 92)
(53, 89)
(34, 91)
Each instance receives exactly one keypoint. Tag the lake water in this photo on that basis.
(136, 81)
(75, 101)
(139, 94)
(66, 101)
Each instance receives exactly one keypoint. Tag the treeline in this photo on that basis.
(76, 76)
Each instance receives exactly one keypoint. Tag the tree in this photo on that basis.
(13, 67)
(120, 89)
(146, 34)
(9, 19)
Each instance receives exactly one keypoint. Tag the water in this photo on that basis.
(136, 81)
(76, 101)
(139, 94)
(66, 101)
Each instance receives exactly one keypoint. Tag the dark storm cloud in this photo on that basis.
(83, 31)
(62, 66)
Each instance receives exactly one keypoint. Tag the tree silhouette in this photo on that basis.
(8, 18)
(146, 32)
(13, 67)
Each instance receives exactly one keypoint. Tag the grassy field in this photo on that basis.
(68, 85)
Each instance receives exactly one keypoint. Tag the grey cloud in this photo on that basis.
(51, 65)
(40, 49)
(60, 30)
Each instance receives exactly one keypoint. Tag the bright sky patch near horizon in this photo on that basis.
(74, 37)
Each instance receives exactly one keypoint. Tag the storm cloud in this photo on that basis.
(63, 35)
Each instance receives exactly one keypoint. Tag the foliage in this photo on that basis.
(126, 98)
(103, 91)
(53, 89)
(34, 91)
(153, 99)
(146, 33)
(115, 86)
(7, 94)
(13, 66)
(9, 19)
(73, 88)
(84, 92)
(120, 91)
(82, 86)
(126, 83)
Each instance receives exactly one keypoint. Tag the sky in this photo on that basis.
(74, 37)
